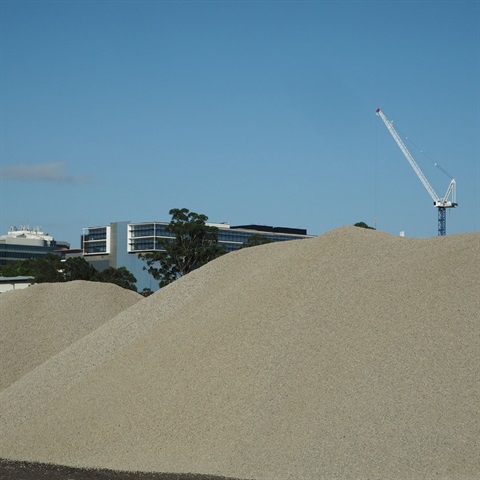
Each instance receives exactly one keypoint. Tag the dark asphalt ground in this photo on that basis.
(17, 470)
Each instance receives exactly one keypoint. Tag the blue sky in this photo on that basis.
(247, 111)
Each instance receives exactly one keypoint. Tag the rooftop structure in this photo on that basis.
(22, 243)
(27, 235)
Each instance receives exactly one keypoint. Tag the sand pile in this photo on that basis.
(353, 355)
(40, 321)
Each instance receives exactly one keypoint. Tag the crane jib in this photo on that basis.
(440, 203)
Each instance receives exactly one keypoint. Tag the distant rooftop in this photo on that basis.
(268, 228)
(16, 279)
(25, 231)
(34, 236)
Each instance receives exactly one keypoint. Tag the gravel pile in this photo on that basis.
(353, 355)
(42, 320)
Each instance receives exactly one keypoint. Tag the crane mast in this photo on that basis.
(440, 203)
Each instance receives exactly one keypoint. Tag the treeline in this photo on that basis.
(192, 243)
(51, 268)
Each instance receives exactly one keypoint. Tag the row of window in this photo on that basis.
(20, 252)
(95, 247)
(95, 234)
(26, 248)
(230, 247)
(150, 245)
(236, 236)
(229, 240)
(225, 236)
(158, 230)
(150, 230)
(144, 237)
(143, 245)
(95, 250)
(146, 243)
(21, 255)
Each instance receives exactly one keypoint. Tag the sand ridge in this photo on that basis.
(351, 355)
(42, 320)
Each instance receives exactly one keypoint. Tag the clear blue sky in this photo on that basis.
(247, 111)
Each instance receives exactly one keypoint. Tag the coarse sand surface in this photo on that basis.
(43, 319)
(354, 355)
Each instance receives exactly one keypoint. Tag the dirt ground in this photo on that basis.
(16, 470)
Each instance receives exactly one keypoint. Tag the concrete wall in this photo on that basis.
(13, 285)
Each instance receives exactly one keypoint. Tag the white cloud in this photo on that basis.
(50, 172)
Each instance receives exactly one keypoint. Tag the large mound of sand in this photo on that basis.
(40, 321)
(353, 355)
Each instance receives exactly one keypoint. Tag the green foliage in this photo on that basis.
(77, 268)
(146, 292)
(51, 269)
(363, 225)
(192, 244)
(15, 269)
(257, 239)
(45, 269)
(119, 276)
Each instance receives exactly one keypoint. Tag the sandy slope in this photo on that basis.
(353, 355)
(40, 321)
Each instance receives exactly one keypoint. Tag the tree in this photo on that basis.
(17, 268)
(119, 276)
(44, 269)
(50, 268)
(363, 225)
(146, 292)
(77, 268)
(192, 244)
(257, 239)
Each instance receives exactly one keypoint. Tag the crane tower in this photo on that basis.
(448, 200)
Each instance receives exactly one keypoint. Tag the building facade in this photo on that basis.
(120, 244)
(23, 243)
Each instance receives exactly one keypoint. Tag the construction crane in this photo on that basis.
(448, 200)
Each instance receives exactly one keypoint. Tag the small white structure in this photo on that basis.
(14, 283)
